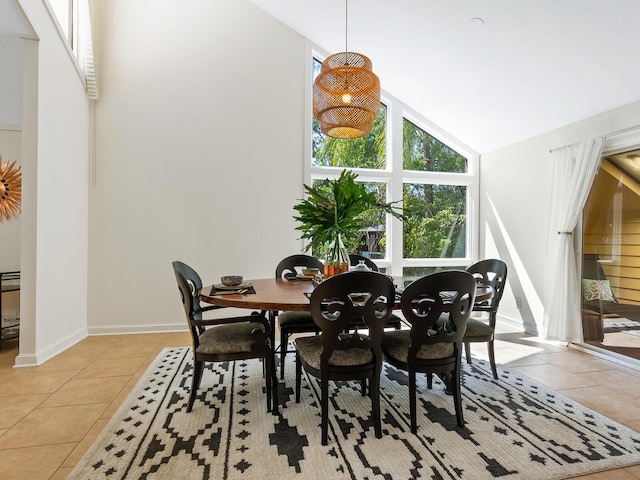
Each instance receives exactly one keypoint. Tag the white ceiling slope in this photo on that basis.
(531, 67)
(13, 20)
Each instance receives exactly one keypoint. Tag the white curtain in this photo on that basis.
(575, 167)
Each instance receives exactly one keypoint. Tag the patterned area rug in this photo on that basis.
(621, 326)
(515, 428)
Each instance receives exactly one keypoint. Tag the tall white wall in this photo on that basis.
(10, 80)
(200, 128)
(54, 229)
(10, 149)
(199, 158)
(515, 185)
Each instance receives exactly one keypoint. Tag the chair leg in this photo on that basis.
(492, 359)
(274, 379)
(412, 402)
(467, 351)
(267, 367)
(429, 380)
(195, 382)
(374, 393)
(298, 378)
(363, 384)
(284, 340)
(324, 402)
(457, 395)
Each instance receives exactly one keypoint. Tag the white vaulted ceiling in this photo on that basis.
(489, 72)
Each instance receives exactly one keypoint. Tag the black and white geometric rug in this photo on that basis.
(621, 325)
(515, 428)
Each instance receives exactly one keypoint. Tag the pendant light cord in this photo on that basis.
(346, 18)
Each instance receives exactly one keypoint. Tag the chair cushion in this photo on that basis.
(296, 320)
(396, 344)
(310, 348)
(230, 338)
(477, 328)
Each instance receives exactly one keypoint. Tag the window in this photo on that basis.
(74, 19)
(422, 152)
(432, 179)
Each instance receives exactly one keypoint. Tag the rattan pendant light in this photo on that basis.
(346, 94)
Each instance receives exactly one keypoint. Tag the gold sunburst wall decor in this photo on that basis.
(10, 190)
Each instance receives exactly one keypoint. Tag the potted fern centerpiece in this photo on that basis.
(336, 210)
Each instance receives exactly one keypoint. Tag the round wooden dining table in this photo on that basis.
(270, 294)
(278, 294)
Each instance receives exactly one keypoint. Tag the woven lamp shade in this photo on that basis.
(346, 95)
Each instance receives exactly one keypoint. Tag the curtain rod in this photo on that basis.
(610, 134)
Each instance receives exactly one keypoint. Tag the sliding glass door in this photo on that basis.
(611, 256)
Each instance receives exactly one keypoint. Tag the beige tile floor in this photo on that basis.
(51, 414)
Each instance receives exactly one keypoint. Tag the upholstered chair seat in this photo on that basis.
(310, 349)
(396, 345)
(232, 338)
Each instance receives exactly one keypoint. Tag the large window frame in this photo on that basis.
(73, 20)
(395, 176)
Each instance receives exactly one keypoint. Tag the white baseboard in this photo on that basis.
(33, 360)
(517, 325)
(132, 329)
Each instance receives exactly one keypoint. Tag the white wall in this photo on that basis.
(199, 153)
(515, 184)
(10, 149)
(55, 208)
(10, 80)
(199, 158)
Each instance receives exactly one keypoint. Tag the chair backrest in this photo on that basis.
(189, 285)
(437, 306)
(591, 268)
(354, 259)
(287, 267)
(368, 296)
(190, 275)
(491, 272)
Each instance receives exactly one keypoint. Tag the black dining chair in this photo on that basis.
(291, 323)
(492, 272)
(437, 307)
(195, 285)
(336, 355)
(224, 339)
(355, 259)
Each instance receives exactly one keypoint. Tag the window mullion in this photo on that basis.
(394, 149)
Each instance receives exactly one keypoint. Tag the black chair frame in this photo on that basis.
(492, 272)
(261, 335)
(287, 268)
(437, 306)
(334, 303)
